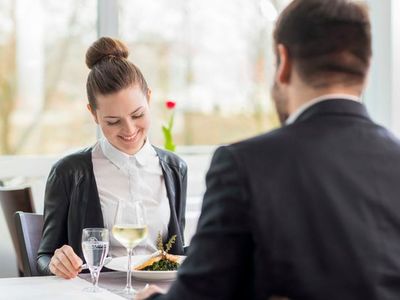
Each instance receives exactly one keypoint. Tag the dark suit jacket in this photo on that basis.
(72, 203)
(309, 211)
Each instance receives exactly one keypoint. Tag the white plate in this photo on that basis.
(121, 264)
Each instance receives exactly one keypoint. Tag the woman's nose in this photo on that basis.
(129, 126)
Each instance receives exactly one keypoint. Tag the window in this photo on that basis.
(214, 58)
(43, 75)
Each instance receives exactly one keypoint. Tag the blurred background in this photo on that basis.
(213, 57)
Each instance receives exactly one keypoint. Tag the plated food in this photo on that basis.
(161, 261)
(120, 264)
(158, 266)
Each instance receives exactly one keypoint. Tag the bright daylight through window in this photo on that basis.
(216, 70)
(213, 58)
(43, 75)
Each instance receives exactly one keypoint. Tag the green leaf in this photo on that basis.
(168, 141)
(160, 245)
(171, 241)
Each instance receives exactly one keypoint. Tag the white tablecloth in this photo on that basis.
(49, 287)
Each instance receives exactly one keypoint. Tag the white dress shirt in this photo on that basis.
(123, 179)
(293, 117)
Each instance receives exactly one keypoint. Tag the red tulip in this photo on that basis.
(170, 104)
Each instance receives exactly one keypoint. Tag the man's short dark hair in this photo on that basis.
(328, 40)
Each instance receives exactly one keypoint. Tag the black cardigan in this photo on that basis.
(72, 203)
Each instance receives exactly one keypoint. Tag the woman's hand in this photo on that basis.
(148, 291)
(65, 263)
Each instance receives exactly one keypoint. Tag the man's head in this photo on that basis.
(322, 46)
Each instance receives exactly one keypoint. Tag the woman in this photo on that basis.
(90, 187)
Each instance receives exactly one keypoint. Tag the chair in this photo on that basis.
(29, 229)
(12, 200)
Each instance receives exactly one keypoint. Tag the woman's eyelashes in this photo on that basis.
(112, 123)
(137, 116)
(134, 117)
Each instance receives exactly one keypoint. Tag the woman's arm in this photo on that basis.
(54, 256)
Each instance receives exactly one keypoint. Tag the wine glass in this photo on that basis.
(130, 229)
(95, 245)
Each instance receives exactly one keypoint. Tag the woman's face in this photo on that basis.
(124, 118)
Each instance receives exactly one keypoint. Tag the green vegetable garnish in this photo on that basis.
(164, 264)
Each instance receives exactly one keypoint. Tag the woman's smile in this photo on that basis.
(124, 118)
(129, 138)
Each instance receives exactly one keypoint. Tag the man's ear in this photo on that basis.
(93, 112)
(285, 66)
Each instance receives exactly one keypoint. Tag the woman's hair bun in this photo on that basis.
(105, 47)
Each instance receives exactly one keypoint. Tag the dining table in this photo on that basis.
(52, 287)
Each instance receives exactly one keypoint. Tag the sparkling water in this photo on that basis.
(95, 253)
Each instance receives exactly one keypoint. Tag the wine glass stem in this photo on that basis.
(95, 279)
(128, 274)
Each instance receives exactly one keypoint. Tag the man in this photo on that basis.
(311, 210)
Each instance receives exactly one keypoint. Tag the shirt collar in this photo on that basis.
(146, 153)
(121, 159)
(293, 117)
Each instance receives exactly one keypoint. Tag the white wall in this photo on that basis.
(382, 95)
(395, 55)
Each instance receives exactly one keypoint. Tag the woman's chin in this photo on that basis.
(130, 148)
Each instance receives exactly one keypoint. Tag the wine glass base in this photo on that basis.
(126, 292)
(92, 289)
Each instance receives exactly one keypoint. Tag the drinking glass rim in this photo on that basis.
(95, 229)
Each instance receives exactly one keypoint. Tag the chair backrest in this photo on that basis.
(12, 200)
(29, 229)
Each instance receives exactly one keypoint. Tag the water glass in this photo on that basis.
(95, 245)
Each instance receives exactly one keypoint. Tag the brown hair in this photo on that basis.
(326, 38)
(111, 71)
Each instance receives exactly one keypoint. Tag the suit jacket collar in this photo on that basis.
(171, 174)
(334, 107)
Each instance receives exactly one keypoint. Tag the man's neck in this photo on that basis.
(293, 116)
(303, 95)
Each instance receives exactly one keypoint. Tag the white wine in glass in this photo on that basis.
(129, 235)
(130, 229)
